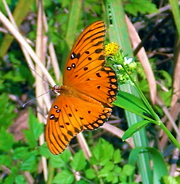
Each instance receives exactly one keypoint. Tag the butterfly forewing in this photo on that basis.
(89, 88)
(87, 54)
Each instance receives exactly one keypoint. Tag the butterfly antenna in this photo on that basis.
(38, 75)
(34, 98)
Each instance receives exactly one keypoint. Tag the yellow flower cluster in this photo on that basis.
(111, 48)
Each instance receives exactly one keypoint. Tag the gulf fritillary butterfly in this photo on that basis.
(89, 88)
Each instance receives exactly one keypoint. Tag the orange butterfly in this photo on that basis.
(89, 88)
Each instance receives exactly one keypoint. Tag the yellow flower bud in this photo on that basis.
(111, 48)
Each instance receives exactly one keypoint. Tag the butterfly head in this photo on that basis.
(56, 89)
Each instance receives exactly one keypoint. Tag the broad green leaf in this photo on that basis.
(20, 153)
(14, 170)
(65, 177)
(9, 179)
(66, 155)
(178, 179)
(128, 169)
(159, 165)
(30, 163)
(7, 111)
(143, 6)
(117, 156)
(35, 130)
(60, 160)
(106, 169)
(166, 97)
(44, 151)
(131, 103)
(90, 173)
(5, 160)
(20, 180)
(112, 178)
(6, 140)
(79, 162)
(117, 170)
(107, 146)
(105, 159)
(97, 153)
(134, 128)
(123, 178)
(14, 76)
(169, 180)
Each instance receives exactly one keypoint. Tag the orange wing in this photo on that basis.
(88, 90)
(69, 116)
(85, 71)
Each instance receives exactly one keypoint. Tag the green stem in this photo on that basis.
(170, 136)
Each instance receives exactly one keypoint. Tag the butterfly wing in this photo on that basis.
(82, 56)
(70, 115)
(85, 70)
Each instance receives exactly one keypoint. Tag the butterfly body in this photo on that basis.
(89, 88)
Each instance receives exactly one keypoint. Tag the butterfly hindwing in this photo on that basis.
(70, 115)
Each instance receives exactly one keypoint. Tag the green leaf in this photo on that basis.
(169, 180)
(20, 180)
(65, 177)
(106, 170)
(35, 130)
(20, 153)
(6, 140)
(60, 160)
(14, 76)
(104, 160)
(117, 170)
(5, 160)
(79, 162)
(134, 128)
(97, 153)
(9, 179)
(90, 173)
(167, 80)
(178, 179)
(112, 178)
(117, 156)
(30, 163)
(166, 97)
(14, 170)
(44, 150)
(131, 103)
(7, 111)
(143, 6)
(159, 165)
(128, 169)
(106, 146)
(123, 178)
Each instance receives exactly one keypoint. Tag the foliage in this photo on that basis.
(145, 6)
(109, 169)
(7, 111)
(17, 157)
